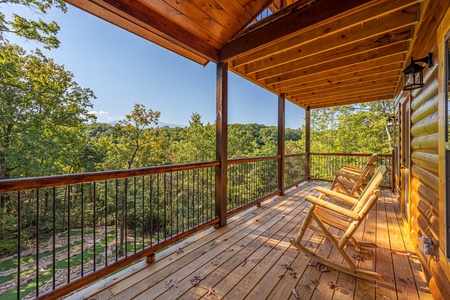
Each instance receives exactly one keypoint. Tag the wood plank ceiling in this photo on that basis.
(319, 53)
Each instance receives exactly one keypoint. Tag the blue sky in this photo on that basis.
(123, 69)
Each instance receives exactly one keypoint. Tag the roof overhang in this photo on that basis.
(318, 53)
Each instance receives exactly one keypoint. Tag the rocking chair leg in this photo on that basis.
(306, 223)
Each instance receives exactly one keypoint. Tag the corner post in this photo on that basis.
(308, 142)
(221, 142)
(281, 146)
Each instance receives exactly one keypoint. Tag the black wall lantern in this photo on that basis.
(413, 74)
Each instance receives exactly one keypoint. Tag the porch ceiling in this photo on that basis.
(318, 53)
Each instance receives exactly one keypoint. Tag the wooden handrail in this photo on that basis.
(252, 159)
(19, 184)
(348, 154)
(295, 155)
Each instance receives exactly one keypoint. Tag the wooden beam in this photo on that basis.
(136, 29)
(327, 67)
(281, 145)
(324, 86)
(316, 104)
(134, 10)
(308, 142)
(358, 96)
(374, 33)
(269, 19)
(357, 89)
(179, 15)
(379, 9)
(221, 142)
(283, 28)
(345, 74)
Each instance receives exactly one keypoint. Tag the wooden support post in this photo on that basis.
(308, 142)
(281, 125)
(221, 142)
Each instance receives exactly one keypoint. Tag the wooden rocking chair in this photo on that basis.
(350, 180)
(327, 214)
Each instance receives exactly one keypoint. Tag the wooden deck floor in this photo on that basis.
(251, 258)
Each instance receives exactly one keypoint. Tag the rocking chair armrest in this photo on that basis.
(352, 177)
(336, 195)
(332, 207)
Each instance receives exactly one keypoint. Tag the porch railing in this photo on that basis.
(70, 230)
(82, 227)
(295, 169)
(251, 180)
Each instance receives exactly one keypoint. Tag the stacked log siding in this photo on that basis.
(424, 187)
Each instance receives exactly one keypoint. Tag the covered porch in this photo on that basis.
(313, 53)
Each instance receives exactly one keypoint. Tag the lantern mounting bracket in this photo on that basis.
(410, 82)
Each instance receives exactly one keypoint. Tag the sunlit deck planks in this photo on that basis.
(252, 258)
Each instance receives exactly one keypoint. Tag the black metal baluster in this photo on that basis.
(125, 207)
(94, 200)
(178, 202)
(106, 221)
(158, 205)
(198, 196)
(37, 242)
(117, 213)
(54, 239)
(68, 232)
(19, 248)
(143, 213)
(171, 204)
(182, 200)
(164, 198)
(151, 210)
(193, 198)
(82, 230)
(134, 216)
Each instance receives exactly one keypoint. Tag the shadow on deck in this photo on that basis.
(252, 258)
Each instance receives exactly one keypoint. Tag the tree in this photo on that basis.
(197, 142)
(361, 128)
(39, 30)
(40, 107)
(133, 137)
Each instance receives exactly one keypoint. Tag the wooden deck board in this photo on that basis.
(245, 260)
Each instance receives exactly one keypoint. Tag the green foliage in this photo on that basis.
(36, 30)
(353, 128)
(41, 108)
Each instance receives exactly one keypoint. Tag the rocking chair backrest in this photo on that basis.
(370, 165)
(370, 188)
(372, 160)
(365, 203)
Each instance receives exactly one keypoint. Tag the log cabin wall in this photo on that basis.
(427, 202)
